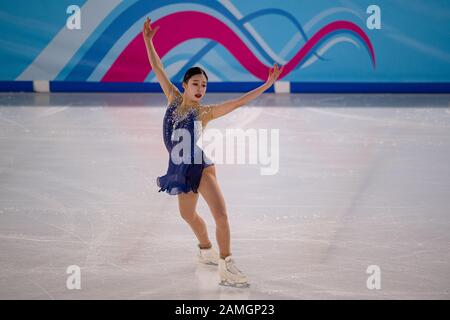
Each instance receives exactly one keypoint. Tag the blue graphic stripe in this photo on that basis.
(194, 59)
(338, 32)
(83, 86)
(282, 13)
(78, 56)
(370, 87)
(16, 86)
(296, 87)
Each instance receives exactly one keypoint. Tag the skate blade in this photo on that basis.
(234, 285)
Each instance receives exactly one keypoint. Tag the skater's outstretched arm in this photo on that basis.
(223, 108)
(168, 88)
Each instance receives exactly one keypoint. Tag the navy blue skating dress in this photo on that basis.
(184, 176)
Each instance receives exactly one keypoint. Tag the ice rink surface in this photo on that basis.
(363, 180)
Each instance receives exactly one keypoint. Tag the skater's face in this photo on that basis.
(196, 87)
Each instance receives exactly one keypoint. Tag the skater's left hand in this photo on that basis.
(148, 32)
(274, 73)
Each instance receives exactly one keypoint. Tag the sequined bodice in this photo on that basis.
(174, 120)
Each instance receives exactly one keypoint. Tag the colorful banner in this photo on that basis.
(323, 41)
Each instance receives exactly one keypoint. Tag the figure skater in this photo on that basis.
(187, 180)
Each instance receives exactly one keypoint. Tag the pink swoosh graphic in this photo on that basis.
(132, 64)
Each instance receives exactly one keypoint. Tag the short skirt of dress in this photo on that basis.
(182, 178)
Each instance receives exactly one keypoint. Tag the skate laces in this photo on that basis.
(209, 255)
(232, 267)
(208, 252)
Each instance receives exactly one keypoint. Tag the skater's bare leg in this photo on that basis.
(187, 203)
(210, 191)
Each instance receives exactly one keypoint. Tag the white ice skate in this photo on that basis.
(230, 275)
(208, 256)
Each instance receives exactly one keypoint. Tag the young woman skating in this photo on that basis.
(187, 179)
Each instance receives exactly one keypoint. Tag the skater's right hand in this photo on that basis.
(148, 33)
(274, 74)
